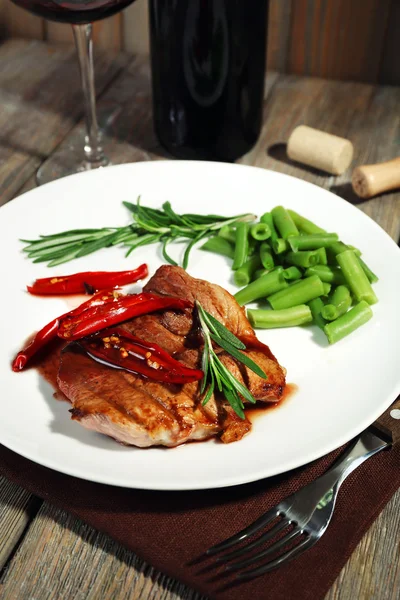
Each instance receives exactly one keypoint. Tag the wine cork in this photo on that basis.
(321, 150)
(370, 180)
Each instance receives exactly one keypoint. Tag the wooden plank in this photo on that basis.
(15, 168)
(278, 41)
(61, 558)
(368, 116)
(390, 66)
(106, 33)
(15, 513)
(41, 100)
(17, 22)
(135, 28)
(337, 38)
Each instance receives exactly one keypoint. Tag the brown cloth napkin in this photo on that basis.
(170, 529)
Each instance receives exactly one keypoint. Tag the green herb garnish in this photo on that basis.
(216, 375)
(149, 226)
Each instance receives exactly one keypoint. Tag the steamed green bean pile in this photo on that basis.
(304, 273)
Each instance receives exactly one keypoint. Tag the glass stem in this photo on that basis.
(93, 151)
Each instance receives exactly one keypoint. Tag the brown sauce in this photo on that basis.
(259, 410)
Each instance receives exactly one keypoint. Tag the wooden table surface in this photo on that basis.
(40, 112)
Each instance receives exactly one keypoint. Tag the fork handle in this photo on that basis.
(365, 446)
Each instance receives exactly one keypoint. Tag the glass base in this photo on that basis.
(67, 160)
(69, 157)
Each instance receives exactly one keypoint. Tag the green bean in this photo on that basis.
(244, 274)
(228, 233)
(321, 256)
(219, 245)
(316, 305)
(287, 317)
(292, 273)
(312, 241)
(267, 218)
(267, 260)
(328, 274)
(303, 258)
(340, 303)
(372, 278)
(349, 322)
(284, 222)
(279, 245)
(260, 231)
(299, 292)
(327, 288)
(355, 277)
(304, 225)
(262, 287)
(334, 249)
(356, 251)
(241, 245)
(260, 272)
(341, 298)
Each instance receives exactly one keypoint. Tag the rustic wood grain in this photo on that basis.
(278, 41)
(341, 39)
(41, 100)
(63, 558)
(15, 514)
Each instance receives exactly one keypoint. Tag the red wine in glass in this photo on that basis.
(80, 14)
(76, 12)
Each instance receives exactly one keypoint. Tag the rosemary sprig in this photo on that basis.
(149, 226)
(216, 375)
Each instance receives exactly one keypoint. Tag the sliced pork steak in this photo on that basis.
(140, 412)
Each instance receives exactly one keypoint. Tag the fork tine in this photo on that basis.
(272, 564)
(249, 561)
(279, 526)
(261, 522)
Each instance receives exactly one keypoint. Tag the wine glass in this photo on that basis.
(80, 14)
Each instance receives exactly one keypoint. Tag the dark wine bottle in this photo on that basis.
(208, 70)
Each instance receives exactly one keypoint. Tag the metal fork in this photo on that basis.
(305, 514)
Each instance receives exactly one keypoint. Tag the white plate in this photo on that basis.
(341, 389)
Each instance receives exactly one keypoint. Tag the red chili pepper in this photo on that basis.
(132, 305)
(86, 283)
(49, 331)
(121, 350)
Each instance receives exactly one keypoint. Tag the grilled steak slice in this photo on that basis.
(137, 411)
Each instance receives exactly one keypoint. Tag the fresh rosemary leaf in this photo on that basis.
(149, 225)
(221, 331)
(165, 254)
(204, 366)
(239, 387)
(235, 402)
(209, 393)
(45, 256)
(89, 247)
(63, 259)
(243, 358)
(189, 247)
